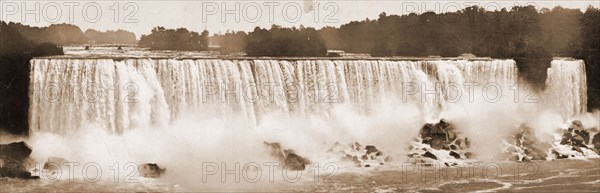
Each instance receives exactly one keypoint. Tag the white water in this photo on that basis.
(567, 87)
(139, 93)
(182, 112)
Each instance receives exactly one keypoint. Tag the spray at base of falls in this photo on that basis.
(184, 112)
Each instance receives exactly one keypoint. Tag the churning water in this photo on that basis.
(184, 112)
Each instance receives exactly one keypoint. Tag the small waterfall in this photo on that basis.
(566, 89)
(141, 93)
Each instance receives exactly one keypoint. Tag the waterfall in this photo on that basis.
(567, 87)
(118, 95)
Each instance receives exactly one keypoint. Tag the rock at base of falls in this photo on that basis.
(440, 135)
(424, 154)
(454, 154)
(524, 146)
(288, 157)
(596, 142)
(151, 170)
(574, 143)
(439, 143)
(367, 156)
(428, 154)
(576, 135)
(14, 160)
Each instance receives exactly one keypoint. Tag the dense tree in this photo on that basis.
(280, 41)
(175, 39)
(590, 52)
(110, 37)
(60, 34)
(230, 42)
(18, 38)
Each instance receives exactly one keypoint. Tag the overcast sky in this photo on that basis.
(219, 16)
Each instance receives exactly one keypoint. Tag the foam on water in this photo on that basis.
(180, 113)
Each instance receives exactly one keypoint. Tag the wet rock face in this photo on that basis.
(585, 136)
(429, 155)
(454, 154)
(151, 170)
(371, 149)
(439, 135)
(367, 156)
(576, 135)
(439, 143)
(14, 160)
(596, 141)
(288, 157)
(16, 150)
(295, 162)
(576, 142)
(524, 146)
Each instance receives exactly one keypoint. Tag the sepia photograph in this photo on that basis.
(379, 96)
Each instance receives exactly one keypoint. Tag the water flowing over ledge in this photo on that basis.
(121, 94)
(152, 110)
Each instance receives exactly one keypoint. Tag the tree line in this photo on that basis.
(279, 41)
(529, 36)
(17, 38)
(110, 37)
(182, 39)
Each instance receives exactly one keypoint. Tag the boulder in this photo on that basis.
(559, 155)
(14, 160)
(15, 151)
(356, 146)
(453, 147)
(371, 149)
(454, 154)
(528, 147)
(151, 170)
(577, 125)
(585, 135)
(596, 141)
(577, 140)
(437, 143)
(566, 138)
(429, 155)
(291, 160)
(276, 150)
(439, 135)
(295, 162)
(360, 155)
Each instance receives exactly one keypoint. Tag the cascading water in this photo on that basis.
(567, 87)
(138, 93)
(222, 110)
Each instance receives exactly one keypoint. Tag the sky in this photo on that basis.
(239, 15)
